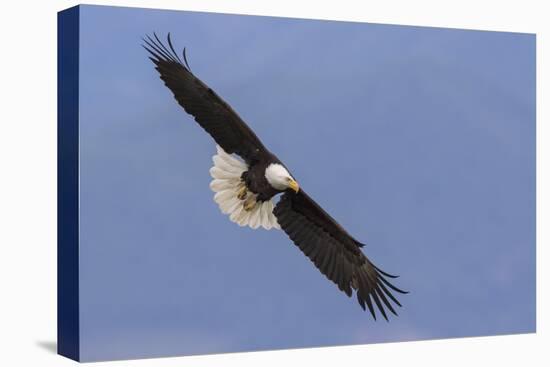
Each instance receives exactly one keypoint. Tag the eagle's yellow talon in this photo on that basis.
(241, 195)
(249, 203)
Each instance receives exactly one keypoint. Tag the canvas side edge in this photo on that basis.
(68, 325)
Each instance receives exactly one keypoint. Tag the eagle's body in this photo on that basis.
(256, 180)
(245, 188)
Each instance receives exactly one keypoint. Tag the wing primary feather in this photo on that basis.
(362, 304)
(159, 50)
(172, 48)
(384, 273)
(392, 286)
(170, 56)
(377, 301)
(363, 292)
(369, 305)
(155, 57)
(152, 50)
(185, 59)
(385, 300)
(388, 293)
(348, 291)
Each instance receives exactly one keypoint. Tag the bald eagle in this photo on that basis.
(245, 188)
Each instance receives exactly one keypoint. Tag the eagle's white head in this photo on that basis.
(279, 178)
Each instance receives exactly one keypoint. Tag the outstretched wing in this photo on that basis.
(334, 252)
(209, 110)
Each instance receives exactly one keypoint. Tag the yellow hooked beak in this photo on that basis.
(294, 186)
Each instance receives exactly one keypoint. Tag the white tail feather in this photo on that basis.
(227, 183)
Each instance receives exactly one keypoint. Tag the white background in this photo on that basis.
(28, 181)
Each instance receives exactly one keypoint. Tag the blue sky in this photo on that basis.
(420, 141)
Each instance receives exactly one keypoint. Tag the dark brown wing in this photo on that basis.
(209, 110)
(334, 252)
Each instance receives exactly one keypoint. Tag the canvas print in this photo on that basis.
(235, 183)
